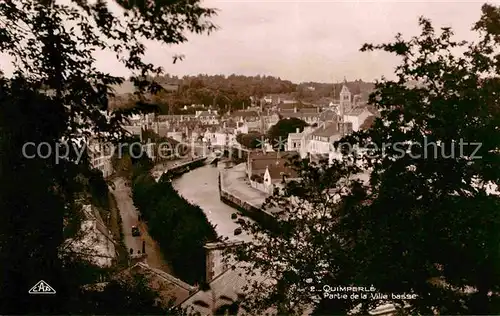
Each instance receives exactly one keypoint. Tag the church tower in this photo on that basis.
(345, 99)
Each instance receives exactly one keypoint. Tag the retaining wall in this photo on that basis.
(177, 171)
(255, 212)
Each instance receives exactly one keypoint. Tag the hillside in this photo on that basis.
(234, 92)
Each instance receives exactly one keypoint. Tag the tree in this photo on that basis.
(424, 224)
(439, 208)
(220, 304)
(368, 122)
(181, 229)
(114, 297)
(303, 245)
(56, 96)
(278, 133)
(252, 140)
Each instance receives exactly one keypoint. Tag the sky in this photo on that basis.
(304, 40)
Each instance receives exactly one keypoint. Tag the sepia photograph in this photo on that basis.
(249, 157)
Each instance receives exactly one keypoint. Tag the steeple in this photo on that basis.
(345, 99)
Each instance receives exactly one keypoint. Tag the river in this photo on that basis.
(201, 187)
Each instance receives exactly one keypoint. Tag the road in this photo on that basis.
(129, 215)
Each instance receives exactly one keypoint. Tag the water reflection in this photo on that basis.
(201, 187)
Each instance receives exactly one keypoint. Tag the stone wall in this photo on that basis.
(217, 259)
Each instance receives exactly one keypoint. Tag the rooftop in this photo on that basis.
(242, 113)
(228, 285)
(327, 130)
(299, 114)
(368, 122)
(279, 168)
(328, 115)
(357, 111)
(295, 135)
(206, 114)
(259, 155)
(168, 286)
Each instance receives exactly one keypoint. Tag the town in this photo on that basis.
(210, 157)
(240, 183)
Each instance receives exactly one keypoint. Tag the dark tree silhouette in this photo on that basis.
(425, 223)
(251, 140)
(56, 95)
(278, 133)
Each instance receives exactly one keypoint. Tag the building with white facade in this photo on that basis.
(294, 141)
(209, 117)
(322, 139)
(357, 117)
(100, 155)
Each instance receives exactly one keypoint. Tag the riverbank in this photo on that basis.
(177, 168)
(180, 228)
(200, 187)
(235, 191)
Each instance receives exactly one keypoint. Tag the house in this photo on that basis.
(251, 168)
(209, 117)
(328, 116)
(324, 102)
(133, 129)
(168, 287)
(255, 126)
(100, 155)
(368, 123)
(94, 242)
(307, 114)
(322, 139)
(219, 137)
(270, 166)
(176, 118)
(279, 98)
(178, 135)
(242, 127)
(356, 117)
(276, 173)
(294, 141)
(227, 285)
(269, 119)
(309, 118)
(245, 116)
(304, 141)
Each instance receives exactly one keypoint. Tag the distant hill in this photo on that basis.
(315, 90)
(235, 91)
(222, 92)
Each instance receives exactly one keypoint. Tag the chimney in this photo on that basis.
(214, 255)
